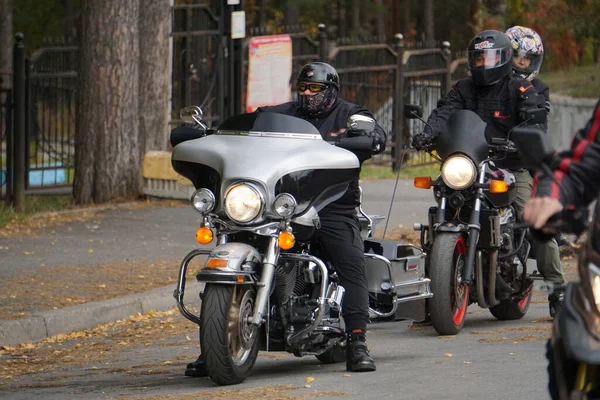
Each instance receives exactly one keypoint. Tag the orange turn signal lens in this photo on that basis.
(286, 240)
(498, 186)
(240, 279)
(423, 182)
(216, 263)
(204, 235)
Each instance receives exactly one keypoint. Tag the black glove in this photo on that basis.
(547, 106)
(422, 141)
(378, 142)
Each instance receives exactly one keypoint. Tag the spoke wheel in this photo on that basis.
(228, 340)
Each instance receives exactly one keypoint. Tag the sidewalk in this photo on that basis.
(82, 268)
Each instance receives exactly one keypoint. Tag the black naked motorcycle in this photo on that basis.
(475, 250)
(260, 181)
(573, 350)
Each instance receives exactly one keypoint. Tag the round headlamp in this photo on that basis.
(458, 172)
(243, 203)
(203, 200)
(284, 205)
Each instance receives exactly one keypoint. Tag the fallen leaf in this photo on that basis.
(346, 375)
(447, 354)
(309, 379)
(90, 251)
(467, 362)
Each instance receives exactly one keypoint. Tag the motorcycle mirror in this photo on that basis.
(413, 111)
(361, 123)
(191, 115)
(535, 115)
(533, 146)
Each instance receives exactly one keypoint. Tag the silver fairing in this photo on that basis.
(264, 158)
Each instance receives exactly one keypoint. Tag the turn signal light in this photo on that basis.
(216, 263)
(286, 240)
(498, 186)
(423, 182)
(204, 235)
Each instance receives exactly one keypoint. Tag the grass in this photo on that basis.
(34, 205)
(407, 172)
(576, 82)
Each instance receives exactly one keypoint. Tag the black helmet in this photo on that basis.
(489, 57)
(319, 72)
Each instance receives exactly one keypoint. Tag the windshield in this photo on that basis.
(465, 133)
(266, 122)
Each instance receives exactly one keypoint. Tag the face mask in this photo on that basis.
(319, 104)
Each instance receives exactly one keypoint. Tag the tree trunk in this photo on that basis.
(154, 85)
(6, 44)
(291, 13)
(108, 147)
(429, 27)
(356, 11)
(380, 19)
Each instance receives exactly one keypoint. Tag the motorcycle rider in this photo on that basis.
(528, 57)
(339, 234)
(578, 172)
(498, 96)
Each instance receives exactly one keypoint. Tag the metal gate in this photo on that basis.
(5, 144)
(51, 110)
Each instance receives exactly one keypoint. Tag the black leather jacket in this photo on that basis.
(578, 172)
(499, 105)
(332, 128)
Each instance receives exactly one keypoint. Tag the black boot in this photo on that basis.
(357, 354)
(555, 303)
(196, 368)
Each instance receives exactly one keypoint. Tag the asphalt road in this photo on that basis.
(489, 359)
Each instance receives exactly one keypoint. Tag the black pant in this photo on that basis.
(343, 246)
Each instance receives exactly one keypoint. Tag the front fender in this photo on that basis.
(451, 227)
(235, 263)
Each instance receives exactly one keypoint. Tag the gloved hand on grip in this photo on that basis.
(422, 141)
(547, 106)
(378, 141)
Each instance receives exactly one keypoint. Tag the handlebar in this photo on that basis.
(356, 143)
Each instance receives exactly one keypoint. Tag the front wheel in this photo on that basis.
(229, 342)
(512, 309)
(448, 306)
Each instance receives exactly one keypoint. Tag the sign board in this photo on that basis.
(238, 24)
(233, 2)
(269, 71)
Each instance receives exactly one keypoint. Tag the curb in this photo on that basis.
(42, 325)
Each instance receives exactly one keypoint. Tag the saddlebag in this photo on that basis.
(395, 274)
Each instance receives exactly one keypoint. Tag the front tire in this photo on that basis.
(448, 306)
(512, 309)
(228, 341)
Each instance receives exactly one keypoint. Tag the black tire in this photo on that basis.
(512, 309)
(335, 355)
(448, 306)
(224, 314)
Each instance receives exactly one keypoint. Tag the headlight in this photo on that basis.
(594, 272)
(284, 205)
(203, 200)
(243, 203)
(458, 172)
